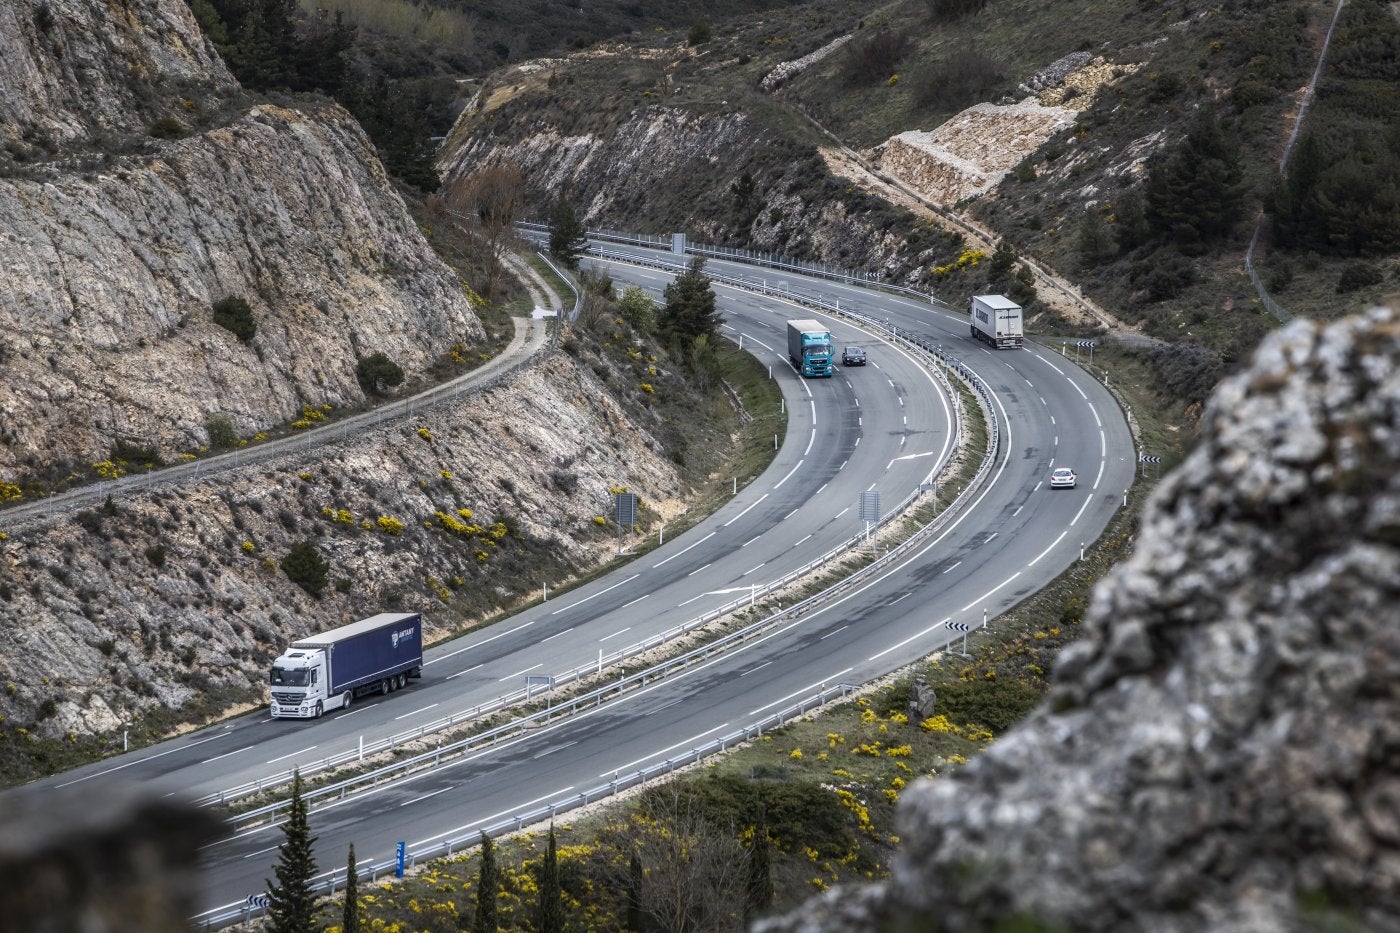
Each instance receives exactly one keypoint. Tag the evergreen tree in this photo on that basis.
(1021, 289)
(1003, 259)
(1130, 224)
(1194, 194)
(291, 905)
(264, 45)
(319, 54)
(567, 237)
(690, 310)
(305, 567)
(350, 919)
(487, 881)
(1092, 242)
(551, 919)
(635, 920)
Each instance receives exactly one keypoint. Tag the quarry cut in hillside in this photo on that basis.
(970, 153)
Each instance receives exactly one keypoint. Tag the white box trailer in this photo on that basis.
(997, 320)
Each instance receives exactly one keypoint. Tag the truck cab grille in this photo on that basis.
(288, 699)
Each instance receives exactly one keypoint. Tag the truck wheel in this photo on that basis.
(349, 696)
(403, 681)
(385, 686)
(320, 709)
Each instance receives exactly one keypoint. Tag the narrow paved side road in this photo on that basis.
(530, 338)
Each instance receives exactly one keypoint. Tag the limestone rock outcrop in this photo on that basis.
(114, 245)
(1220, 750)
(973, 151)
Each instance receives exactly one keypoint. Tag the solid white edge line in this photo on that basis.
(1081, 510)
(984, 596)
(1049, 549)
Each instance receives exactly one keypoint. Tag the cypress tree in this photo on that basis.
(551, 895)
(566, 234)
(291, 904)
(635, 922)
(350, 922)
(487, 881)
(758, 883)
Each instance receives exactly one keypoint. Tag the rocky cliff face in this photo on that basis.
(113, 246)
(72, 69)
(176, 597)
(109, 266)
(661, 169)
(1220, 750)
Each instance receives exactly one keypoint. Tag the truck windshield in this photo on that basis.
(817, 349)
(281, 677)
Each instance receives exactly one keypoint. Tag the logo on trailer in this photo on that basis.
(400, 635)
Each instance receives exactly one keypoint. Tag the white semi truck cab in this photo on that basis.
(328, 671)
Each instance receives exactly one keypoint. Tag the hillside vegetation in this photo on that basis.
(1147, 202)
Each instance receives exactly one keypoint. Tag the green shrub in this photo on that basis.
(168, 128)
(156, 555)
(699, 32)
(995, 705)
(235, 316)
(1358, 275)
(305, 567)
(377, 371)
(221, 432)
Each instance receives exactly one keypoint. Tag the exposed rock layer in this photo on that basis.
(110, 258)
(1220, 749)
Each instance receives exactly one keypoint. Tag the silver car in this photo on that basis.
(1062, 478)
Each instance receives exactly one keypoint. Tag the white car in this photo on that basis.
(1062, 478)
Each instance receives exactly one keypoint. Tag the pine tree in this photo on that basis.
(487, 881)
(551, 918)
(350, 922)
(291, 903)
(690, 308)
(567, 238)
(1194, 195)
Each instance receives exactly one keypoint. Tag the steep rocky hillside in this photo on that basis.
(116, 245)
(140, 186)
(1127, 150)
(176, 598)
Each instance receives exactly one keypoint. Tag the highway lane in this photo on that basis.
(803, 504)
(1017, 535)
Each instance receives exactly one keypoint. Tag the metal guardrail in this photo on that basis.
(933, 357)
(332, 881)
(749, 257)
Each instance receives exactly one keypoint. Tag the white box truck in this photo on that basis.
(327, 671)
(997, 320)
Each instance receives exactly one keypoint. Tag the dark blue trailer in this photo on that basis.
(327, 671)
